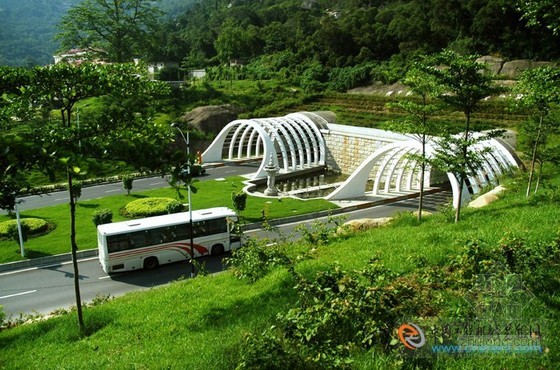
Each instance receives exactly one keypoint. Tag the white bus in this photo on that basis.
(153, 241)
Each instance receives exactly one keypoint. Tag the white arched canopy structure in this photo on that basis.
(394, 171)
(294, 142)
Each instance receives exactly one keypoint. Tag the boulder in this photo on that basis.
(494, 64)
(211, 118)
(362, 224)
(514, 68)
(487, 198)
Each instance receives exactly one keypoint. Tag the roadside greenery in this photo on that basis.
(152, 206)
(212, 193)
(331, 305)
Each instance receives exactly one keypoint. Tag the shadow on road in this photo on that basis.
(167, 273)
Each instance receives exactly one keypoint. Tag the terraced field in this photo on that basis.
(370, 110)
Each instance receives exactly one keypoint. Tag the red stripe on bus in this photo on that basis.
(183, 246)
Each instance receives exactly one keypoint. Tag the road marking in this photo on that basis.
(43, 267)
(230, 171)
(58, 199)
(18, 294)
(157, 183)
(112, 191)
(104, 277)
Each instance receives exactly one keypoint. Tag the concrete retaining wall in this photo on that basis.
(349, 146)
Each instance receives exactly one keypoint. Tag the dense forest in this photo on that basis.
(348, 32)
(28, 28)
(297, 34)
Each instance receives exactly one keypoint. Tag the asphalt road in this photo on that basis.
(42, 290)
(103, 190)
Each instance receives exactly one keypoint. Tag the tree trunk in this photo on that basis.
(422, 172)
(541, 164)
(534, 158)
(462, 176)
(74, 254)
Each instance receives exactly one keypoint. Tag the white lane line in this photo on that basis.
(18, 294)
(112, 191)
(230, 171)
(104, 277)
(157, 183)
(58, 199)
(42, 267)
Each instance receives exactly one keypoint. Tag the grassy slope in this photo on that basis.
(199, 324)
(210, 194)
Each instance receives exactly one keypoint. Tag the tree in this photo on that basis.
(239, 200)
(127, 183)
(539, 12)
(462, 84)
(60, 87)
(418, 122)
(120, 27)
(537, 90)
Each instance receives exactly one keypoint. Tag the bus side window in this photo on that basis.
(138, 239)
(172, 233)
(148, 237)
(182, 231)
(199, 228)
(117, 243)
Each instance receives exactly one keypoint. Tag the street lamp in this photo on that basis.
(187, 142)
(20, 233)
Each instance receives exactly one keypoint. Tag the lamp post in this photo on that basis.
(20, 233)
(187, 142)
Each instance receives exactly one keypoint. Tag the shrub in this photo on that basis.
(30, 226)
(256, 259)
(155, 206)
(102, 216)
(239, 200)
(320, 233)
(174, 207)
(337, 313)
(127, 183)
(2, 317)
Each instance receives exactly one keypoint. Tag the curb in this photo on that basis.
(43, 262)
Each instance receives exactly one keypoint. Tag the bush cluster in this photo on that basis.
(102, 216)
(256, 259)
(146, 207)
(29, 226)
(339, 312)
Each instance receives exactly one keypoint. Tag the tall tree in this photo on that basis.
(538, 90)
(120, 27)
(541, 12)
(61, 87)
(463, 83)
(418, 122)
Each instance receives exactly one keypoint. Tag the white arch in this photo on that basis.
(295, 138)
(393, 158)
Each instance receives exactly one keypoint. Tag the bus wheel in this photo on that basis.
(217, 250)
(151, 263)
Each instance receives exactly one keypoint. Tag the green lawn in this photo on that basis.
(202, 323)
(211, 193)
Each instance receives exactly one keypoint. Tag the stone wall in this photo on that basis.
(510, 69)
(349, 146)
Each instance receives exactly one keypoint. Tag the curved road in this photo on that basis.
(47, 288)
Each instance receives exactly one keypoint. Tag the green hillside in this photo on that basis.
(422, 272)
